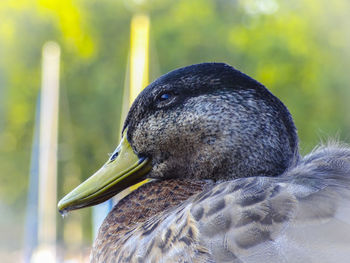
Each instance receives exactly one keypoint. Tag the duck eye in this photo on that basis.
(165, 99)
(164, 96)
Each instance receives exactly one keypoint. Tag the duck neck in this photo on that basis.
(145, 202)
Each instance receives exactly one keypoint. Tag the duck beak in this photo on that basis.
(122, 170)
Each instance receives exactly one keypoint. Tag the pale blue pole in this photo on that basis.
(99, 213)
(31, 223)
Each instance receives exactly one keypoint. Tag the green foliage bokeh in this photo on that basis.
(299, 49)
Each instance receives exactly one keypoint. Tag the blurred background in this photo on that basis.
(299, 49)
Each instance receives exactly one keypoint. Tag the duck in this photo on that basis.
(226, 181)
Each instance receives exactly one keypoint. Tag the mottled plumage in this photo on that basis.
(230, 185)
(301, 216)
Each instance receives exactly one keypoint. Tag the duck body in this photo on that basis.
(228, 183)
(300, 216)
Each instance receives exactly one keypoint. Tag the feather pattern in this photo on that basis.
(301, 216)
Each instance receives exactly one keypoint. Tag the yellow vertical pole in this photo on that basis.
(139, 61)
(139, 46)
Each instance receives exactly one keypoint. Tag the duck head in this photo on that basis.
(205, 121)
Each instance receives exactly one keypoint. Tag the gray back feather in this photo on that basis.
(300, 216)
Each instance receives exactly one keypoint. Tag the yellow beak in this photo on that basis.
(122, 170)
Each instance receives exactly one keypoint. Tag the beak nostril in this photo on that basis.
(114, 155)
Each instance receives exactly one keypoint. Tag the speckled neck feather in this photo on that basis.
(143, 203)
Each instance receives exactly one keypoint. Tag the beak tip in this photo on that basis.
(62, 205)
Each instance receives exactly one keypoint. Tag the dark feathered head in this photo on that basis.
(211, 121)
